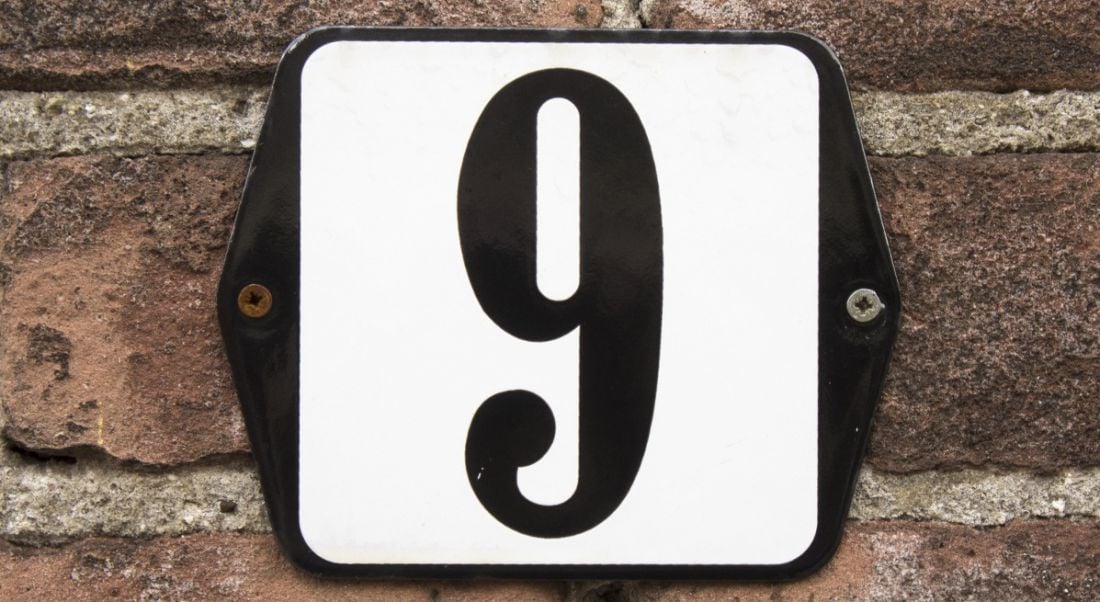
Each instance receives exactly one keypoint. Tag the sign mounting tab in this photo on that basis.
(600, 325)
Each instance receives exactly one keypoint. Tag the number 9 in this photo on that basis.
(617, 305)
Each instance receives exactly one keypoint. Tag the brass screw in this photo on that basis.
(254, 300)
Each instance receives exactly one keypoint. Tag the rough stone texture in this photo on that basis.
(64, 44)
(998, 360)
(228, 120)
(973, 123)
(978, 498)
(130, 123)
(924, 45)
(107, 330)
(620, 14)
(54, 501)
(877, 561)
(49, 502)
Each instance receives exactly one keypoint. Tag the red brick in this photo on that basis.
(107, 330)
(75, 43)
(1030, 560)
(924, 45)
(998, 360)
(82, 69)
(111, 266)
(213, 567)
(921, 45)
(934, 561)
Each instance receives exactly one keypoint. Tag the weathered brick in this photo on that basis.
(932, 561)
(213, 567)
(107, 321)
(110, 68)
(85, 69)
(76, 43)
(36, 24)
(998, 360)
(924, 45)
(877, 561)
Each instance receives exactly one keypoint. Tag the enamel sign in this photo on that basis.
(558, 304)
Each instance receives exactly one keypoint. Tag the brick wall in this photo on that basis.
(125, 130)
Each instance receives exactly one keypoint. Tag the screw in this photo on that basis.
(254, 300)
(864, 305)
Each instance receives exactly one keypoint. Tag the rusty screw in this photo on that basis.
(864, 305)
(254, 300)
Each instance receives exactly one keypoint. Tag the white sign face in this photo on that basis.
(707, 424)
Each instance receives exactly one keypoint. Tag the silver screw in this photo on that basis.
(864, 305)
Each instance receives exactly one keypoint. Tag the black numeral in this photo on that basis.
(617, 305)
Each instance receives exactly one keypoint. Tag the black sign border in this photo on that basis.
(852, 357)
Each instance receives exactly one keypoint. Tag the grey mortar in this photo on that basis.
(50, 502)
(621, 14)
(45, 124)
